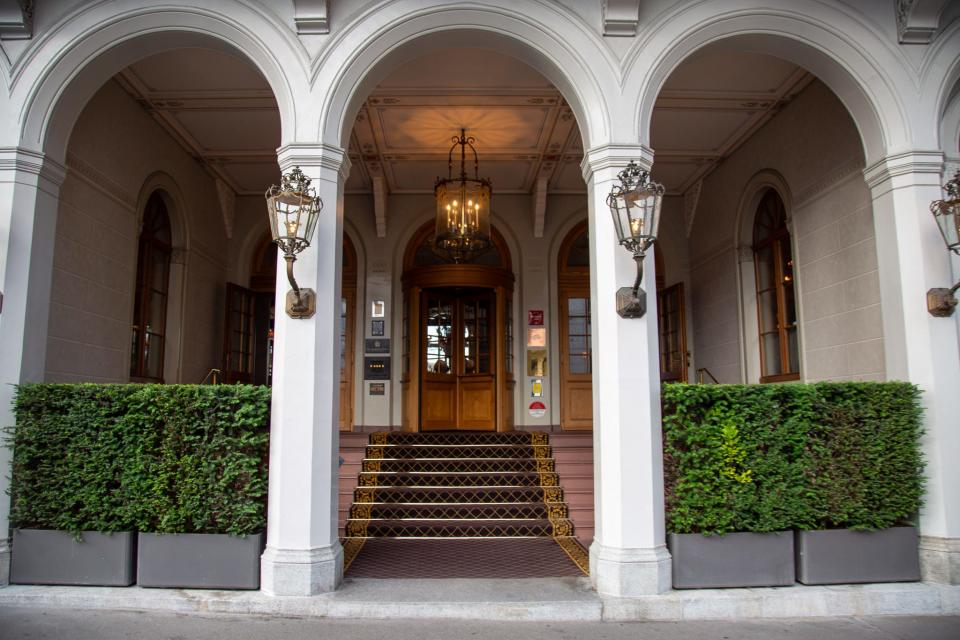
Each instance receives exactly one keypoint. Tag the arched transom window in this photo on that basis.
(150, 298)
(776, 301)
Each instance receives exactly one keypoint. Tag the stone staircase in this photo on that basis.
(458, 485)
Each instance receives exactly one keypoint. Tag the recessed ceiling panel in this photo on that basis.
(496, 129)
(253, 177)
(198, 70)
(569, 178)
(673, 176)
(693, 130)
(467, 69)
(730, 71)
(233, 130)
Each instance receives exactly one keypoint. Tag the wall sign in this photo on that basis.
(537, 337)
(376, 327)
(535, 317)
(376, 368)
(377, 308)
(378, 388)
(537, 362)
(377, 345)
(536, 388)
(537, 409)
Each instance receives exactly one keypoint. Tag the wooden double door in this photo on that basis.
(458, 338)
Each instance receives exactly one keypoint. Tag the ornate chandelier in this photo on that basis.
(463, 208)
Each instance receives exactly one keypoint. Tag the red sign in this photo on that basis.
(535, 317)
(537, 409)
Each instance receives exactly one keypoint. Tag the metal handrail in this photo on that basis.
(213, 375)
(700, 375)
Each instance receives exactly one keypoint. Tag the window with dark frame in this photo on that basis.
(152, 290)
(776, 301)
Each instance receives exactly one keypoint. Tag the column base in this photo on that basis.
(301, 572)
(627, 573)
(940, 560)
(4, 562)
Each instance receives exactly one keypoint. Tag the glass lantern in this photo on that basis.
(947, 214)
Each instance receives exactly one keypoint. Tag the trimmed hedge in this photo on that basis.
(791, 456)
(150, 458)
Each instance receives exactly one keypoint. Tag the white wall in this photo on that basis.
(814, 145)
(114, 149)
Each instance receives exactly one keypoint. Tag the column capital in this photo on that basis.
(312, 154)
(614, 156)
(892, 171)
(32, 162)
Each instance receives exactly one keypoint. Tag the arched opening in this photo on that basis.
(742, 132)
(152, 291)
(457, 343)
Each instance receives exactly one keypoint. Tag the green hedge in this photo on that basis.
(151, 458)
(791, 456)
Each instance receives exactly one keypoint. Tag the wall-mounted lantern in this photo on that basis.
(940, 301)
(294, 209)
(635, 206)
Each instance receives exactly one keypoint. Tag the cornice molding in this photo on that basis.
(16, 19)
(615, 156)
(832, 179)
(621, 17)
(312, 16)
(35, 163)
(904, 163)
(308, 154)
(100, 181)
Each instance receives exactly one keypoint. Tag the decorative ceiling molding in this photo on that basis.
(228, 205)
(918, 20)
(690, 200)
(16, 19)
(312, 16)
(621, 17)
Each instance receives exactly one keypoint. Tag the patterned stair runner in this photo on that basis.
(460, 485)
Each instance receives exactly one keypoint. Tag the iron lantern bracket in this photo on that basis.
(632, 301)
(941, 301)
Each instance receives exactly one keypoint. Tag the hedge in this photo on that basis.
(791, 456)
(150, 458)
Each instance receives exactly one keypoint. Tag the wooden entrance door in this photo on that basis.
(459, 381)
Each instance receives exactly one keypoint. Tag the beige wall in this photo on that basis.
(812, 151)
(116, 148)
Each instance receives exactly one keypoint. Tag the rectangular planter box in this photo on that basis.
(733, 560)
(843, 556)
(199, 560)
(55, 557)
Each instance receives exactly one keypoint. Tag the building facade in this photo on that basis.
(800, 143)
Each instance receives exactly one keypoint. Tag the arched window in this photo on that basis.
(576, 366)
(776, 302)
(153, 283)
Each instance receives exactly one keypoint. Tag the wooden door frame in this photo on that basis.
(572, 282)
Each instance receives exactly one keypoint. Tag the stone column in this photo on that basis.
(628, 556)
(303, 554)
(919, 347)
(29, 199)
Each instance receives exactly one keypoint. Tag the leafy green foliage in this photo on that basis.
(152, 458)
(794, 456)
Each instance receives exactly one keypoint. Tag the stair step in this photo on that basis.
(457, 479)
(457, 511)
(473, 495)
(403, 451)
(475, 528)
(458, 465)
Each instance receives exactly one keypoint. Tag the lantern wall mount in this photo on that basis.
(635, 206)
(941, 302)
(463, 207)
(294, 208)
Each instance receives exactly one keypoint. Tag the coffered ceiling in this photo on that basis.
(223, 113)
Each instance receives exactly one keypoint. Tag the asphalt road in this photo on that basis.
(42, 624)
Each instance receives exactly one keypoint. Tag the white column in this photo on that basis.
(628, 556)
(919, 347)
(303, 554)
(29, 192)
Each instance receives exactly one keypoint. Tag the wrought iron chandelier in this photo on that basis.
(463, 208)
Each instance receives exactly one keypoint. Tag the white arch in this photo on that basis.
(845, 52)
(75, 57)
(941, 90)
(546, 36)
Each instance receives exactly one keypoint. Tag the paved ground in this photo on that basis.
(41, 624)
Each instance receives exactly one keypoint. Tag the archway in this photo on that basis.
(457, 344)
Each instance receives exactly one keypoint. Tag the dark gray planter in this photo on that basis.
(733, 560)
(843, 556)
(199, 560)
(56, 557)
